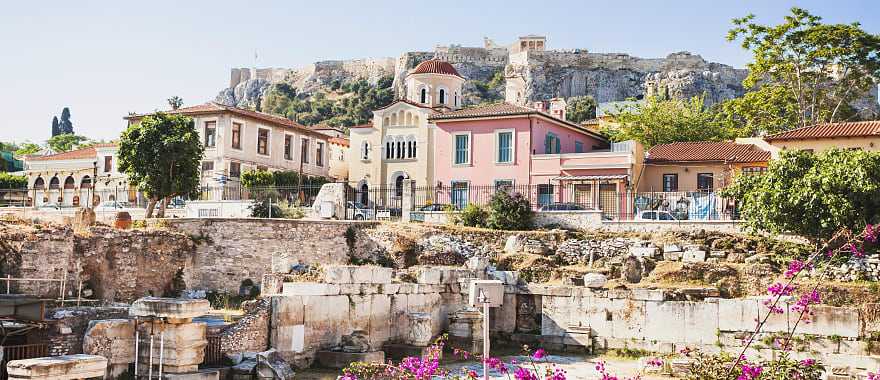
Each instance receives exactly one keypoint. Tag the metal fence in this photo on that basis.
(303, 195)
(69, 198)
(612, 202)
(373, 202)
(19, 352)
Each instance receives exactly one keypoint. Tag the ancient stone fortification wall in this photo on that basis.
(229, 251)
(65, 335)
(114, 265)
(308, 317)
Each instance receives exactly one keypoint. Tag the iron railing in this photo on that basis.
(19, 352)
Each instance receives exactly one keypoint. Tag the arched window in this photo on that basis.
(86, 183)
(442, 96)
(365, 194)
(389, 148)
(394, 119)
(408, 118)
(455, 99)
(69, 183)
(415, 120)
(54, 183)
(39, 184)
(401, 116)
(423, 96)
(385, 122)
(399, 144)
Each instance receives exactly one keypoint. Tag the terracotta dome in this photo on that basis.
(436, 66)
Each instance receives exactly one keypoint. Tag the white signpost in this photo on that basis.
(486, 293)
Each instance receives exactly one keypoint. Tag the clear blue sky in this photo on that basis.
(104, 59)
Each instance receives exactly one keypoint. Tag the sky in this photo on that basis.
(104, 59)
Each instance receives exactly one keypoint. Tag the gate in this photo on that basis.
(364, 202)
(23, 351)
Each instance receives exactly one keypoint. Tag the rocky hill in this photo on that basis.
(524, 75)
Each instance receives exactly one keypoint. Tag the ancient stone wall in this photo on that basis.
(229, 251)
(251, 332)
(65, 335)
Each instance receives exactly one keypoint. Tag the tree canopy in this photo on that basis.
(26, 148)
(812, 195)
(660, 121)
(65, 142)
(580, 109)
(162, 156)
(175, 102)
(351, 103)
(9, 181)
(804, 71)
(65, 126)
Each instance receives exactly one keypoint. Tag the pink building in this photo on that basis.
(550, 159)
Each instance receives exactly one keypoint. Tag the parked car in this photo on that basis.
(49, 207)
(655, 215)
(562, 207)
(358, 211)
(177, 203)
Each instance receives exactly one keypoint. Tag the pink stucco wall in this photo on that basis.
(483, 170)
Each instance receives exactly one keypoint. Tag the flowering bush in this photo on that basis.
(428, 367)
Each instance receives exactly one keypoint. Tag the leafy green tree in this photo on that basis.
(509, 211)
(65, 126)
(162, 156)
(580, 109)
(823, 68)
(9, 181)
(352, 103)
(257, 178)
(175, 102)
(769, 109)
(660, 121)
(27, 148)
(812, 195)
(65, 142)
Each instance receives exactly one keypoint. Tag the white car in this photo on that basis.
(49, 206)
(656, 215)
(358, 211)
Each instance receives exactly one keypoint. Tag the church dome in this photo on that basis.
(436, 66)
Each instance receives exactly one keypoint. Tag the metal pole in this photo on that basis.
(79, 292)
(150, 369)
(486, 340)
(8, 283)
(137, 341)
(63, 283)
(161, 351)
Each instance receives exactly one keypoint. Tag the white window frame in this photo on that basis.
(497, 152)
(268, 142)
(445, 95)
(319, 158)
(470, 152)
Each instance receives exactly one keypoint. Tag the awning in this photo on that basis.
(589, 177)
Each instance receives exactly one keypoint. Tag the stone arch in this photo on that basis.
(423, 95)
(441, 96)
(69, 183)
(385, 121)
(39, 183)
(393, 119)
(401, 115)
(54, 183)
(397, 179)
(409, 118)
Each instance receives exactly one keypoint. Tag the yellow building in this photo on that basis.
(863, 135)
(699, 166)
(398, 143)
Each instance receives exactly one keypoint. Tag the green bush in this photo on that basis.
(509, 212)
(9, 181)
(472, 216)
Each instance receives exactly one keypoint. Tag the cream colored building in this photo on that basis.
(237, 140)
(339, 155)
(398, 144)
(78, 178)
(864, 135)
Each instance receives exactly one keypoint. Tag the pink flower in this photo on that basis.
(777, 289)
(750, 372)
(524, 374)
(870, 234)
(873, 376)
(808, 362)
(856, 251)
(655, 362)
(795, 267)
(539, 354)
(348, 376)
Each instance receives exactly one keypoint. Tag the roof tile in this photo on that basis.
(701, 151)
(830, 130)
(78, 154)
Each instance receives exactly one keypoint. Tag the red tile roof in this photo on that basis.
(410, 102)
(505, 110)
(830, 130)
(78, 154)
(367, 125)
(213, 107)
(703, 151)
(338, 141)
(436, 66)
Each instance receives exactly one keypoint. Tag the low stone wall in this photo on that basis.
(69, 325)
(232, 250)
(654, 226)
(572, 220)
